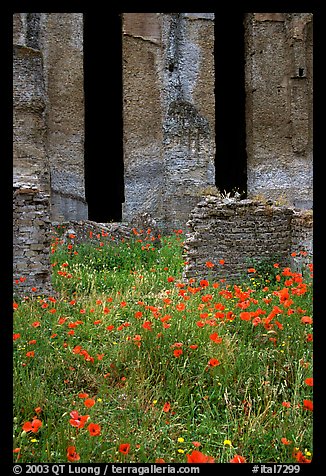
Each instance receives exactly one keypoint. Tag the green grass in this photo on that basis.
(119, 312)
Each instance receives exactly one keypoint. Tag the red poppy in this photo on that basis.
(306, 320)
(198, 457)
(124, 448)
(215, 338)
(309, 381)
(238, 459)
(181, 306)
(147, 325)
(222, 261)
(77, 420)
(298, 455)
(89, 402)
(166, 407)
(286, 404)
(213, 362)
(159, 460)
(203, 283)
(245, 316)
(308, 405)
(209, 264)
(16, 336)
(285, 441)
(177, 352)
(94, 429)
(32, 426)
(71, 454)
(83, 395)
(309, 338)
(36, 324)
(31, 353)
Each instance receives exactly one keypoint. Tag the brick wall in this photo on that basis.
(243, 233)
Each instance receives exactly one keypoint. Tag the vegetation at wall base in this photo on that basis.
(127, 362)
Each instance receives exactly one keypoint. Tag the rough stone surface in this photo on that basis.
(243, 233)
(169, 133)
(279, 106)
(31, 245)
(168, 114)
(61, 44)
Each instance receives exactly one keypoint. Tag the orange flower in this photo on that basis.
(32, 426)
(298, 455)
(222, 261)
(94, 429)
(77, 420)
(251, 270)
(180, 307)
(36, 324)
(71, 454)
(196, 444)
(238, 459)
(83, 395)
(177, 352)
(159, 460)
(166, 407)
(89, 402)
(308, 405)
(306, 320)
(215, 338)
(124, 448)
(31, 353)
(198, 457)
(286, 404)
(209, 264)
(245, 315)
(309, 381)
(213, 362)
(147, 325)
(285, 441)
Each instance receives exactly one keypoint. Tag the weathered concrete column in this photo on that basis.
(189, 106)
(61, 42)
(169, 113)
(279, 106)
(31, 177)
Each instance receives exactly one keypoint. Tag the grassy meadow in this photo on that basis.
(127, 362)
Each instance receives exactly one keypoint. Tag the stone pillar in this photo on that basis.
(61, 42)
(31, 177)
(142, 115)
(169, 113)
(189, 107)
(279, 106)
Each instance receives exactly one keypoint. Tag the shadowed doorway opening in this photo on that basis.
(231, 157)
(104, 171)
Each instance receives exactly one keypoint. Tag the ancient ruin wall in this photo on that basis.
(60, 39)
(168, 84)
(278, 68)
(31, 174)
(243, 233)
